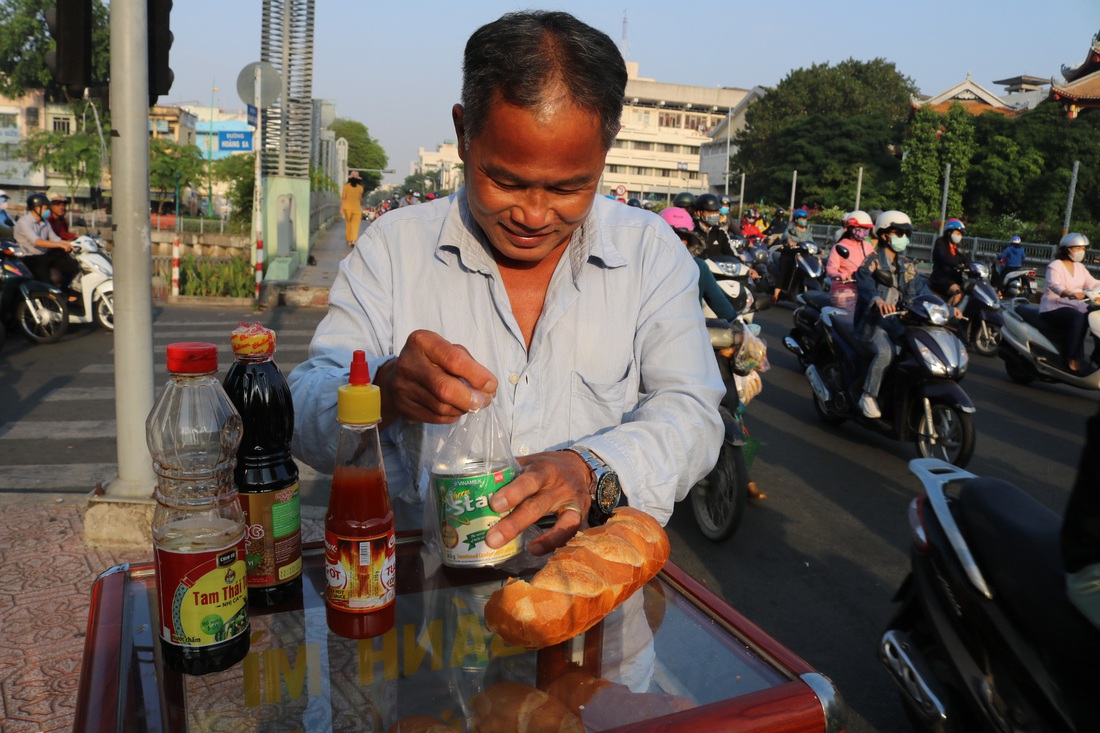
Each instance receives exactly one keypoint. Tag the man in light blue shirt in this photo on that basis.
(577, 316)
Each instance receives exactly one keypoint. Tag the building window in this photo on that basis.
(641, 117)
(32, 118)
(669, 119)
(699, 123)
(617, 143)
(62, 125)
(643, 145)
(616, 169)
(668, 148)
(9, 151)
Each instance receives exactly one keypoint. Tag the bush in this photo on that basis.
(232, 277)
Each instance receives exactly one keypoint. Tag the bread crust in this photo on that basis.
(581, 583)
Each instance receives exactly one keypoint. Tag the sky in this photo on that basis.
(396, 66)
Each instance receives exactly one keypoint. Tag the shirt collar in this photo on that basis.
(461, 240)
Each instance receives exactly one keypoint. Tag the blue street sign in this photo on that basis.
(252, 115)
(233, 140)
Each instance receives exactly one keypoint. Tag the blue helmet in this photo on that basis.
(800, 214)
(952, 225)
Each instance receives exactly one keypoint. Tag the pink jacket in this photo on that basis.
(839, 268)
(1059, 280)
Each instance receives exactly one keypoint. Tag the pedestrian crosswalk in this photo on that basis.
(66, 443)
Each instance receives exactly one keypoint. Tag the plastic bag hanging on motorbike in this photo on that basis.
(753, 354)
(748, 386)
(474, 462)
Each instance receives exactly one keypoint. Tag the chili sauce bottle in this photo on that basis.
(360, 544)
(266, 474)
(198, 527)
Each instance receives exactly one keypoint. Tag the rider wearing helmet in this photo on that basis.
(948, 261)
(1064, 305)
(685, 200)
(709, 226)
(796, 233)
(877, 300)
(45, 251)
(709, 292)
(634, 202)
(1011, 258)
(842, 270)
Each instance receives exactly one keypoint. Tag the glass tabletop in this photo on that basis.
(672, 648)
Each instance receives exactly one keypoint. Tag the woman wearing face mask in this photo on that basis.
(877, 300)
(1063, 305)
(797, 233)
(947, 258)
(841, 270)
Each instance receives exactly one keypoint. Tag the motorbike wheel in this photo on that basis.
(104, 311)
(718, 500)
(830, 374)
(53, 312)
(955, 431)
(1019, 373)
(985, 338)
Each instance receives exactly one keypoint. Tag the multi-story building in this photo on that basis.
(442, 165)
(20, 119)
(657, 152)
(721, 145)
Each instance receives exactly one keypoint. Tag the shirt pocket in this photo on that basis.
(596, 406)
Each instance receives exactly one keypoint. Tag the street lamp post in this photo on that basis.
(210, 155)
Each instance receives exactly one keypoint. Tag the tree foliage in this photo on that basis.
(74, 156)
(173, 167)
(932, 142)
(239, 171)
(363, 150)
(25, 39)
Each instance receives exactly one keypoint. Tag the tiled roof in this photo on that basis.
(1083, 88)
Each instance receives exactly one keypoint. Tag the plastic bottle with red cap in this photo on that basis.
(198, 528)
(360, 544)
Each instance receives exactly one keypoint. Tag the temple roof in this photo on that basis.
(973, 97)
(1022, 83)
(1086, 88)
(1091, 64)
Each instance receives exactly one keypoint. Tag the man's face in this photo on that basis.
(531, 177)
(57, 208)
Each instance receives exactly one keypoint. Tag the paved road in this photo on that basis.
(815, 564)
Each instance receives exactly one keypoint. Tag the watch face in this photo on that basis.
(608, 492)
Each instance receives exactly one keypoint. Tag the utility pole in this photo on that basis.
(943, 201)
(210, 155)
(1069, 201)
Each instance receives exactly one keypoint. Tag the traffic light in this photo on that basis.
(160, 42)
(70, 26)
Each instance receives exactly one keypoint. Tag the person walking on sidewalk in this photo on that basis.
(351, 207)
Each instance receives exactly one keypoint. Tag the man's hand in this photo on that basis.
(884, 308)
(553, 482)
(433, 381)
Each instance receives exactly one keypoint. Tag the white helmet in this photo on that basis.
(858, 219)
(1074, 239)
(892, 220)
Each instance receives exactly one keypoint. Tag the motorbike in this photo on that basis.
(95, 284)
(38, 309)
(718, 500)
(981, 309)
(805, 327)
(1032, 350)
(920, 397)
(755, 252)
(808, 269)
(732, 276)
(984, 636)
(1019, 283)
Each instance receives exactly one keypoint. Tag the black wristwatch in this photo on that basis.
(603, 487)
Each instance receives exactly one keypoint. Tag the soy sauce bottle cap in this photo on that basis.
(359, 402)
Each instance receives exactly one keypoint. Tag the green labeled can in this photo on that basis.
(465, 516)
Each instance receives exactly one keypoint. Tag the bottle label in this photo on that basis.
(273, 536)
(465, 517)
(361, 572)
(202, 595)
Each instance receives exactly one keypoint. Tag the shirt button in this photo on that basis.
(514, 379)
(523, 450)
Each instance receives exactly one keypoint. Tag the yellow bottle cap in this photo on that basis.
(359, 402)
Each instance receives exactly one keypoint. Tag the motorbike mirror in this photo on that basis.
(883, 277)
(842, 251)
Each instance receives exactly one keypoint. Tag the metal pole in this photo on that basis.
(210, 151)
(859, 187)
(132, 253)
(729, 124)
(1069, 201)
(258, 188)
(741, 200)
(794, 185)
(943, 201)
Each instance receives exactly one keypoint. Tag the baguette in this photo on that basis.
(511, 707)
(582, 582)
(420, 724)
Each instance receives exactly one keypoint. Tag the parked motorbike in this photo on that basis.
(718, 500)
(808, 269)
(95, 284)
(981, 308)
(1019, 283)
(920, 397)
(732, 276)
(985, 637)
(39, 310)
(1032, 350)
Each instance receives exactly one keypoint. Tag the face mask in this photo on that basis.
(724, 210)
(1077, 255)
(956, 237)
(46, 214)
(711, 220)
(800, 222)
(898, 244)
(859, 234)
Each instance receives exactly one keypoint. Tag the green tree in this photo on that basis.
(933, 141)
(821, 101)
(363, 150)
(74, 156)
(173, 167)
(25, 39)
(239, 171)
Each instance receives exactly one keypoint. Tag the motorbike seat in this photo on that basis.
(1032, 317)
(1015, 541)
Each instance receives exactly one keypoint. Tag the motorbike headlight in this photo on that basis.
(938, 314)
(933, 362)
(761, 255)
(812, 248)
(730, 268)
(982, 269)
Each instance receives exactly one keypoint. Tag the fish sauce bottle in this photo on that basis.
(266, 474)
(360, 544)
(198, 527)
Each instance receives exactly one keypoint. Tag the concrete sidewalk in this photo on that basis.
(47, 571)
